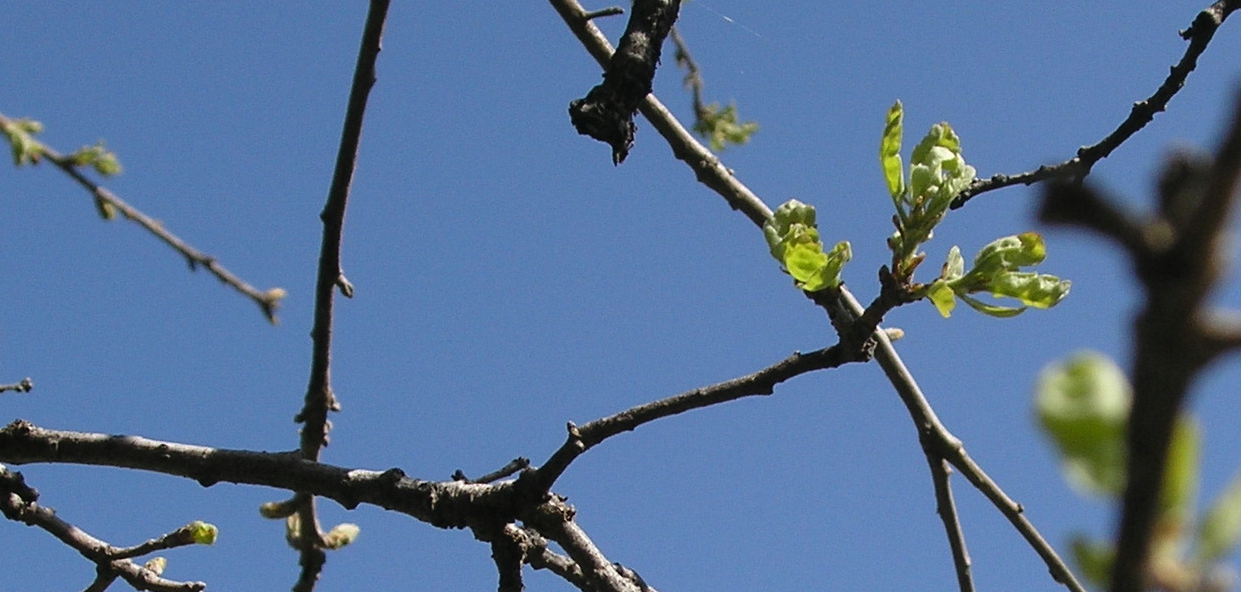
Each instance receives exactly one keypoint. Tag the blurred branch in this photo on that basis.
(606, 112)
(1075, 169)
(19, 502)
(319, 396)
(1178, 255)
(25, 386)
(108, 203)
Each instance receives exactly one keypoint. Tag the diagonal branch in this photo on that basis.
(108, 202)
(762, 382)
(20, 502)
(1075, 169)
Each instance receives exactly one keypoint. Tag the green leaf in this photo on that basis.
(941, 295)
(20, 133)
(1083, 405)
(1011, 252)
(720, 127)
(1032, 289)
(991, 310)
(890, 152)
(1220, 532)
(794, 241)
(954, 266)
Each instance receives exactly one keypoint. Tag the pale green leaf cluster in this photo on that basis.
(793, 238)
(97, 157)
(1083, 406)
(937, 173)
(20, 133)
(720, 127)
(27, 150)
(997, 271)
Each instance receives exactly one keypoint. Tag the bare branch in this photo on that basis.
(19, 502)
(762, 382)
(1172, 344)
(554, 519)
(946, 507)
(1075, 169)
(937, 441)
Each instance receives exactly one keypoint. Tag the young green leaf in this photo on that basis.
(1032, 289)
(794, 241)
(890, 153)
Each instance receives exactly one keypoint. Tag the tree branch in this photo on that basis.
(319, 396)
(606, 113)
(1075, 169)
(762, 382)
(705, 164)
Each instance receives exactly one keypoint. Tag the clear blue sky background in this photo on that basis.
(510, 279)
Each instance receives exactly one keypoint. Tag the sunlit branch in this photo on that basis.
(946, 507)
(1075, 169)
(763, 382)
(319, 396)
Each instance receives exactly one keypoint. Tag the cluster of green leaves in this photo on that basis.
(1083, 406)
(720, 127)
(997, 270)
(937, 174)
(793, 237)
(27, 150)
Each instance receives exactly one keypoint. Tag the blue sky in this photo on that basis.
(510, 279)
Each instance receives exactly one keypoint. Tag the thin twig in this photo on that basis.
(1075, 169)
(25, 386)
(946, 507)
(319, 396)
(763, 382)
(937, 440)
(268, 300)
(19, 502)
